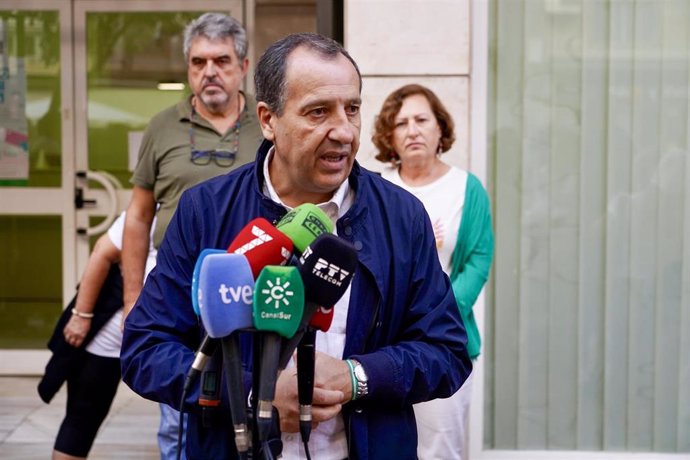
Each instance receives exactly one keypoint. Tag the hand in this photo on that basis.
(286, 400)
(332, 374)
(326, 404)
(76, 329)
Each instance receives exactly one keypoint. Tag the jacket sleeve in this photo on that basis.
(162, 331)
(474, 248)
(420, 351)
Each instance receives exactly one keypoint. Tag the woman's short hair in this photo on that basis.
(385, 121)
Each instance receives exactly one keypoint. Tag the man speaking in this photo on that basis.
(396, 338)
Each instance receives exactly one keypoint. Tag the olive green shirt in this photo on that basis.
(164, 164)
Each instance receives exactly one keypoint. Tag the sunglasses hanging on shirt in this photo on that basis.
(222, 158)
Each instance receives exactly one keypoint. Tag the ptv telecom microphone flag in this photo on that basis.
(278, 308)
(262, 244)
(226, 293)
(327, 266)
(303, 224)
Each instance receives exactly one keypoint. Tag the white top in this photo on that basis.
(443, 200)
(108, 341)
(327, 440)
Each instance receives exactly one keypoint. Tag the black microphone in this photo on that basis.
(327, 267)
(226, 287)
(209, 389)
(206, 349)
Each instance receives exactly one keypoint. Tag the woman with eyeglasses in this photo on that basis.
(412, 131)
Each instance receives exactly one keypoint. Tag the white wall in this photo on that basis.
(396, 42)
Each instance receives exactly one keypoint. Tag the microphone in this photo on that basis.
(208, 345)
(209, 389)
(262, 244)
(206, 349)
(303, 224)
(226, 291)
(327, 267)
(306, 358)
(321, 319)
(278, 308)
(195, 276)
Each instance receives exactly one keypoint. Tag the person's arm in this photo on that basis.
(162, 331)
(104, 254)
(474, 249)
(135, 244)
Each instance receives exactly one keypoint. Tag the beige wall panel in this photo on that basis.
(453, 92)
(419, 37)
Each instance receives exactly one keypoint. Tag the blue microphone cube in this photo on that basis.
(225, 294)
(195, 276)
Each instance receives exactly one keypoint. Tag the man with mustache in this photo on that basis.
(207, 134)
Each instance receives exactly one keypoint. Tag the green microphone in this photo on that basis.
(303, 224)
(277, 311)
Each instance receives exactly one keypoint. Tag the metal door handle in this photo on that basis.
(109, 183)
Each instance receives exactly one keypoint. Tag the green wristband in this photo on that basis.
(352, 378)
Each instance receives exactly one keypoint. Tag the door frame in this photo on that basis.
(56, 201)
(51, 200)
(80, 9)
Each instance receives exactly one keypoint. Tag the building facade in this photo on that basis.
(574, 114)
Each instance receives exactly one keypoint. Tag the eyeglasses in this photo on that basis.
(222, 158)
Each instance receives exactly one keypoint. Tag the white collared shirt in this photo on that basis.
(328, 440)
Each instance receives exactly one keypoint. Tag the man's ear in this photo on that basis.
(245, 67)
(266, 120)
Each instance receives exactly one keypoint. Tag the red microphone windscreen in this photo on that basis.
(262, 244)
(322, 319)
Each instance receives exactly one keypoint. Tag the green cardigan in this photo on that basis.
(472, 257)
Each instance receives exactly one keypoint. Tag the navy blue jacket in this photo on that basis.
(403, 323)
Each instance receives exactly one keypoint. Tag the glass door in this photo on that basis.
(79, 81)
(129, 65)
(37, 217)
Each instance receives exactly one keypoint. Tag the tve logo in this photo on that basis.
(330, 272)
(238, 294)
(226, 289)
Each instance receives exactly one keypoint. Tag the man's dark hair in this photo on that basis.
(269, 75)
(216, 26)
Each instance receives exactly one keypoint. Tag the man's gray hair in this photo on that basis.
(216, 26)
(269, 75)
